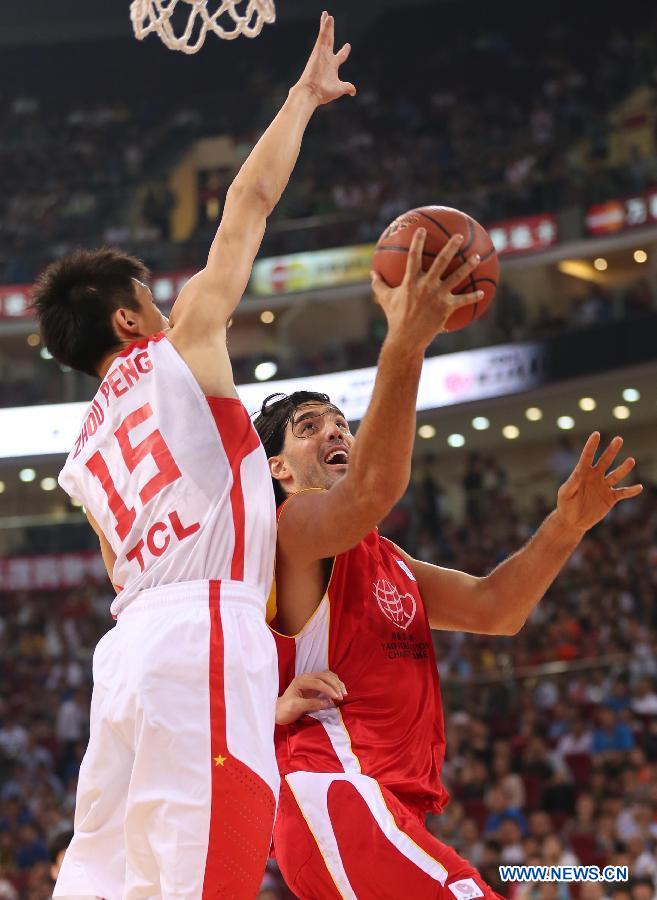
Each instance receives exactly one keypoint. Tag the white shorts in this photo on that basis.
(178, 787)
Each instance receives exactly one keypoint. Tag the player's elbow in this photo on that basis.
(254, 195)
(504, 625)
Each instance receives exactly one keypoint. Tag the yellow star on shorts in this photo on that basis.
(220, 760)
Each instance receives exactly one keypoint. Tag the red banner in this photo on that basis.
(527, 235)
(53, 572)
(618, 215)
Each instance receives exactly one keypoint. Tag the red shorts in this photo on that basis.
(345, 836)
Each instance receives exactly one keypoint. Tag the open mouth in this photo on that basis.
(337, 458)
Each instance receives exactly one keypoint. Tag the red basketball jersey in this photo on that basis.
(371, 628)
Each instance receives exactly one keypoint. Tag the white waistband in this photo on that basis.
(188, 592)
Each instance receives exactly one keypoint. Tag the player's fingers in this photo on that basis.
(627, 493)
(570, 487)
(332, 679)
(610, 454)
(382, 290)
(621, 471)
(343, 54)
(348, 88)
(456, 278)
(316, 683)
(321, 36)
(444, 258)
(414, 255)
(315, 705)
(590, 449)
(329, 31)
(459, 300)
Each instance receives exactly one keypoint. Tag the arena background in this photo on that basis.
(541, 121)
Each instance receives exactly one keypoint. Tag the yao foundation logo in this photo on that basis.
(399, 608)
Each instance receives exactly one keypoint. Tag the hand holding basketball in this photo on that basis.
(419, 308)
(321, 75)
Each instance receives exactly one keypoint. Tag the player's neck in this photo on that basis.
(106, 361)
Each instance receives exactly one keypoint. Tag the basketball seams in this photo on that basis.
(472, 283)
(440, 225)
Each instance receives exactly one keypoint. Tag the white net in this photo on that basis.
(184, 24)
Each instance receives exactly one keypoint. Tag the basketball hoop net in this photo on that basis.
(156, 16)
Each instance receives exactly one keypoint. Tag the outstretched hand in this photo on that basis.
(309, 693)
(321, 75)
(590, 491)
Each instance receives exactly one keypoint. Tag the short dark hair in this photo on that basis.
(59, 842)
(74, 298)
(271, 422)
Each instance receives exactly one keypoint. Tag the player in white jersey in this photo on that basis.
(178, 787)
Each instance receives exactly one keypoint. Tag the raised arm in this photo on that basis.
(317, 525)
(208, 300)
(500, 602)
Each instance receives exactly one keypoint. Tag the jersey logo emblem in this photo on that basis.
(399, 608)
(465, 889)
(402, 565)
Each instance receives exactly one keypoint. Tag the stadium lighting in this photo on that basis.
(27, 475)
(480, 423)
(587, 404)
(48, 484)
(534, 414)
(267, 317)
(511, 432)
(565, 422)
(456, 440)
(426, 432)
(33, 339)
(265, 370)
(600, 264)
(640, 256)
(631, 395)
(621, 412)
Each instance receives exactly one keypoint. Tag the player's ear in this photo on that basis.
(278, 467)
(127, 323)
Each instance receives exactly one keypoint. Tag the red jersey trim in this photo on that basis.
(239, 439)
(142, 343)
(218, 751)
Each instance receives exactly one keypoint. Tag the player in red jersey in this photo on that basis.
(177, 790)
(359, 778)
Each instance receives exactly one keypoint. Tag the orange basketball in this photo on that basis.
(441, 222)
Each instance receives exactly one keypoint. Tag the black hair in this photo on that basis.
(271, 422)
(74, 298)
(59, 842)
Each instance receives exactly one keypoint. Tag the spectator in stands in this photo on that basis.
(611, 736)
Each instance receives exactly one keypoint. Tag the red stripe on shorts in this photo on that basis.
(242, 805)
(213, 864)
(239, 438)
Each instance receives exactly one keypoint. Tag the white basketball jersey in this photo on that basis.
(177, 481)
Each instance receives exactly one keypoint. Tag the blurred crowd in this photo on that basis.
(522, 128)
(551, 734)
(32, 379)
